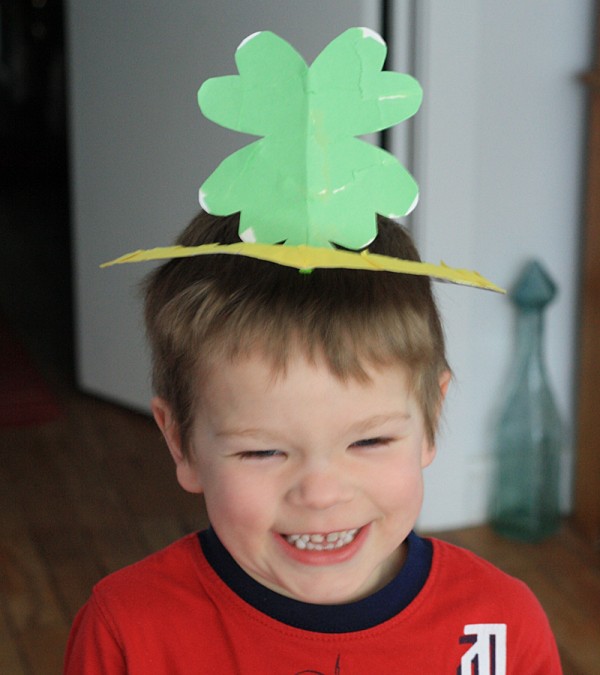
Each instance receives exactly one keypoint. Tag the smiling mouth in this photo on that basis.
(329, 541)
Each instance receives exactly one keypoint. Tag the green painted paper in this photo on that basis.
(309, 180)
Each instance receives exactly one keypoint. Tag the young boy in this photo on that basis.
(304, 408)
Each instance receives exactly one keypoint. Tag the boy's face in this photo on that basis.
(282, 459)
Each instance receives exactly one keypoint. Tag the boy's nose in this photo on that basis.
(321, 488)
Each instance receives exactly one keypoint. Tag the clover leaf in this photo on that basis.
(309, 180)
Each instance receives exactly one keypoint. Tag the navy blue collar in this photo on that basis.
(354, 616)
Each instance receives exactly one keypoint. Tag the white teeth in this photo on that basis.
(322, 542)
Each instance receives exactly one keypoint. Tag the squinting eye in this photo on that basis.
(259, 454)
(371, 442)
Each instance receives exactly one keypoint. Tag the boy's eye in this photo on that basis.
(259, 454)
(371, 442)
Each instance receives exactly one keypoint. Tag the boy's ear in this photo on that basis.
(430, 450)
(445, 379)
(187, 472)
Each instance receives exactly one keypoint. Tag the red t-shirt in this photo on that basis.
(171, 613)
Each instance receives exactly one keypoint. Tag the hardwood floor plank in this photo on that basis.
(161, 531)
(32, 614)
(10, 659)
(75, 569)
(33, 610)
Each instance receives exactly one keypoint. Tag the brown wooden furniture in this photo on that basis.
(587, 479)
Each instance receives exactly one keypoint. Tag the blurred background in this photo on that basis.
(102, 151)
(35, 223)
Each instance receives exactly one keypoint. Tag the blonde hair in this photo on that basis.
(206, 310)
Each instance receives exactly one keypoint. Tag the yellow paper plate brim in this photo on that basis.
(307, 258)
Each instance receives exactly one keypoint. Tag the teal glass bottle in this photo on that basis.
(525, 495)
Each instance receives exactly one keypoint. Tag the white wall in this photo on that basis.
(499, 159)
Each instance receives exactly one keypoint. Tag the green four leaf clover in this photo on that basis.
(309, 180)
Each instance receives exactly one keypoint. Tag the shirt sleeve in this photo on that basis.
(92, 648)
(536, 647)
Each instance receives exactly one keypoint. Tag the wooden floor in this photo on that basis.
(95, 490)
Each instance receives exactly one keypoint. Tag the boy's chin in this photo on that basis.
(321, 592)
(322, 586)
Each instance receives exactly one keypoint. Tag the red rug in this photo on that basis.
(25, 397)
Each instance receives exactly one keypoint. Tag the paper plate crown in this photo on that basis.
(308, 191)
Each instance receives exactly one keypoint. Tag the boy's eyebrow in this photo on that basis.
(240, 432)
(376, 420)
(357, 428)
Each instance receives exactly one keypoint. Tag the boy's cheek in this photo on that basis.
(236, 500)
(239, 505)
